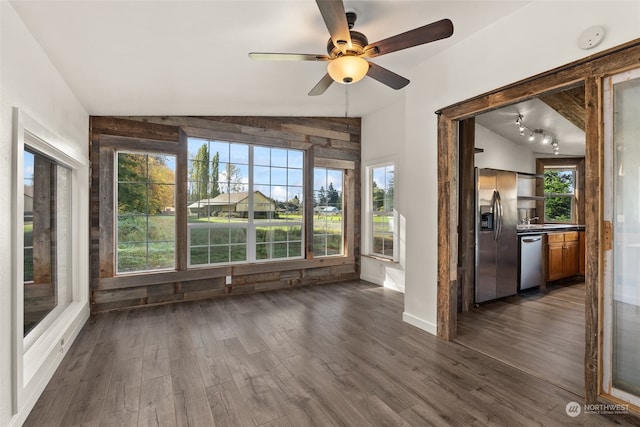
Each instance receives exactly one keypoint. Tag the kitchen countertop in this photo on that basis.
(547, 228)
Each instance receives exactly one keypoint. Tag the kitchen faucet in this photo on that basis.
(527, 221)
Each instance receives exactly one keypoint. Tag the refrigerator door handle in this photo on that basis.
(494, 210)
(499, 216)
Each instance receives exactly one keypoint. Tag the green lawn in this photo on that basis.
(275, 239)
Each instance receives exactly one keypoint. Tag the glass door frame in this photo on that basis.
(608, 216)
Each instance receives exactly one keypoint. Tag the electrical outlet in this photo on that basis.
(228, 280)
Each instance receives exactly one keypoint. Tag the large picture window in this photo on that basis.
(146, 212)
(327, 212)
(381, 186)
(244, 202)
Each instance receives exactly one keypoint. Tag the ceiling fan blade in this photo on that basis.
(431, 32)
(322, 86)
(386, 77)
(335, 18)
(263, 56)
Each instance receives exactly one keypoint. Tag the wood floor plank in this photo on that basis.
(327, 355)
(190, 397)
(156, 403)
(528, 330)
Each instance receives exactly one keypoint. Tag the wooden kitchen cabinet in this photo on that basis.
(563, 255)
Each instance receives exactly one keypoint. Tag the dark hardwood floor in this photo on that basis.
(541, 333)
(325, 355)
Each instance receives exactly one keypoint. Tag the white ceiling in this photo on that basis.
(190, 57)
(536, 115)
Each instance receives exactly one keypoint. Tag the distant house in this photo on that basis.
(235, 203)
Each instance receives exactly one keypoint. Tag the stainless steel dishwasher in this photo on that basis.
(530, 261)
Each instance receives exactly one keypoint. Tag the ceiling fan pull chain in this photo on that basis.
(346, 101)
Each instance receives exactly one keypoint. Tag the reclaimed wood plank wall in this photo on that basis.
(328, 142)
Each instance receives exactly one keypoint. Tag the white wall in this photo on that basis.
(29, 81)
(502, 153)
(386, 128)
(536, 38)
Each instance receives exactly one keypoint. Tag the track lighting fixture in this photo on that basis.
(544, 136)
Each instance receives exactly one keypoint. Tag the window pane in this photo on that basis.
(46, 232)
(132, 167)
(132, 228)
(146, 200)
(222, 148)
(262, 156)
(383, 229)
(239, 154)
(270, 203)
(199, 256)
(319, 245)
(296, 159)
(132, 198)
(219, 254)
(238, 253)
(327, 219)
(279, 157)
(559, 189)
(199, 236)
(278, 176)
(132, 257)
(295, 177)
(262, 175)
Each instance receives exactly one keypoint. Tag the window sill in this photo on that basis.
(382, 259)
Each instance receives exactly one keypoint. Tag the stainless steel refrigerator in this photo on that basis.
(496, 274)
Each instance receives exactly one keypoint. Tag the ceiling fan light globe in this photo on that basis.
(348, 69)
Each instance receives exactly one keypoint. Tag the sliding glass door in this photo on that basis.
(621, 331)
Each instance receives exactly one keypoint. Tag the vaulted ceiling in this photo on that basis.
(560, 114)
(190, 57)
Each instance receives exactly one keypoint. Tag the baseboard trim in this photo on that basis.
(420, 323)
(372, 279)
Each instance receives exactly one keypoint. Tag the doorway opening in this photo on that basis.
(453, 125)
(522, 299)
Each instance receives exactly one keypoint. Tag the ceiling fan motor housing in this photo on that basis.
(358, 42)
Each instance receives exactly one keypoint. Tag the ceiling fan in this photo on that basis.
(347, 49)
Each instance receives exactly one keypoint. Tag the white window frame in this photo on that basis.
(369, 214)
(116, 214)
(252, 223)
(572, 195)
(342, 228)
(36, 356)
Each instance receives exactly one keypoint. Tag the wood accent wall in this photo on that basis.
(327, 142)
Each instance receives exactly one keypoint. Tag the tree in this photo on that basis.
(231, 179)
(388, 202)
(333, 197)
(132, 183)
(378, 195)
(558, 189)
(215, 166)
(146, 184)
(321, 197)
(200, 173)
(161, 185)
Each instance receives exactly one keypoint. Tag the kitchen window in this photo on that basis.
(559, 194)
(383, 224)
